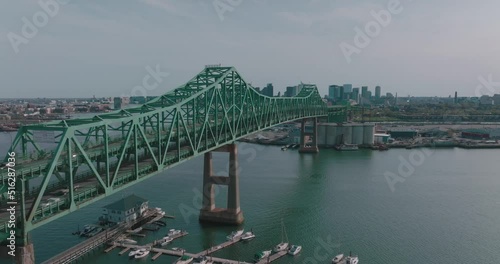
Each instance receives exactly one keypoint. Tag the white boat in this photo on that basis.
(174, 232)
(347, 260)
(160, 211)
(284, 239)
(135, 231)
(200, 260)
(184, 260)
(294, 250)
(281, 247)
(127, 241)
(247, 236)
(165, 240)
(338, 258)
(133, 252)
(235, 234)
(142, 253)
(262, 255)
(352, 260)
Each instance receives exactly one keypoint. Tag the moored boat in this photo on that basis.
(127, 241)
(135, 231)
(284, 239)
(352, 260)
(142, 253)
(294, 250)
(165, 240)
(174, 232)
(247, 236)
(184, 260)
(338, 258)
(200, 260)
(235, 234)
(262, 255)
(133, 253)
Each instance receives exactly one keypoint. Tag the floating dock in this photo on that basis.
(180, 253)
(273, 257)
(89, 245)
(219, 247)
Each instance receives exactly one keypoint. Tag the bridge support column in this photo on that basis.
(209, 213)
(25, 254)
(305, 146)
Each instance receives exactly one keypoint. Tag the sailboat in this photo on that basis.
(283, 245)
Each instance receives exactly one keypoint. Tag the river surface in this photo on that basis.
(437, 206)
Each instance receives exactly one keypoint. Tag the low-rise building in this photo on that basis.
(127, 209)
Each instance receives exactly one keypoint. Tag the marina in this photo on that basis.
(181, 252)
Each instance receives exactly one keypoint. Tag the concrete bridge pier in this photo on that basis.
(231, 215)
(306, 147)
(25, 254)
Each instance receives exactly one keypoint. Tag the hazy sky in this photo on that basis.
(103, 48)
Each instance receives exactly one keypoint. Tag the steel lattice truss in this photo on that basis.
(82, 160)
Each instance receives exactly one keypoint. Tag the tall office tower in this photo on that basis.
(378, 90)
(347, 91)
(268, 90)
(331, 91)
(364, 91)
(355, 94)
(291, 91)
(369, 96)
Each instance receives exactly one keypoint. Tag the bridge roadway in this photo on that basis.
(88, 184)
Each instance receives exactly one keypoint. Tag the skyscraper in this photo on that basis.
(355, 94)
(347, 91)
(334, 91)
(364, 91)
(268, 90)
(378, 90)
(331, 91)
(291, 91)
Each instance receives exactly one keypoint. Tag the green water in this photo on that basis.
(446, 211)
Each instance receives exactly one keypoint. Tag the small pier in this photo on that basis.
(156, 251)
(89, 245)
(219, 247)
(273, 257)
(123, 251)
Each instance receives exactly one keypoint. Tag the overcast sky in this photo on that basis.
(103, 48)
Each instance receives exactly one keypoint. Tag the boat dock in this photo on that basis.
(179, 253)
(89, 245)
(219, 247)
(272, 257)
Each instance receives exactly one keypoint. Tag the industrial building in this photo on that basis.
(332, 134)
(403, 133)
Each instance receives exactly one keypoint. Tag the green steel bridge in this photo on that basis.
(62, 166)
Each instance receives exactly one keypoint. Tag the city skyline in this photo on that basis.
(106, 49)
